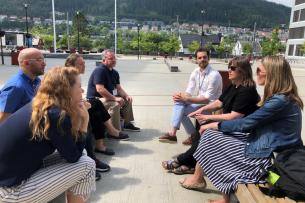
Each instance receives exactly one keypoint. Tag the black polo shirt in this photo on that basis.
(103, 76)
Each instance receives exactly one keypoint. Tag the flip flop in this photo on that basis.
(169, 164)
(106, 152)
(180, 170)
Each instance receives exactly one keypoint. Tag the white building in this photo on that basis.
(237, 50)
(296, 33)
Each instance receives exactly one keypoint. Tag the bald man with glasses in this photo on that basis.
(21, 88)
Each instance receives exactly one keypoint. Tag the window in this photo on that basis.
(299, 52)
(297, 2)
(302, 17)
(296, 16)
(296, 33)
(290, 51)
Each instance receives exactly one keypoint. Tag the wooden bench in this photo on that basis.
(250, 193)
(171, 65)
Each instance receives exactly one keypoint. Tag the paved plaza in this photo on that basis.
(136, 174)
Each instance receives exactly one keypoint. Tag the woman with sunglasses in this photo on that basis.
(229, 157)
(239, 99)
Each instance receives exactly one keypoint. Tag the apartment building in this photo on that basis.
(296, 33)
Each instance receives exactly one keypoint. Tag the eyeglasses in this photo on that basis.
(258, 71)
(232, 68)
(40, 60)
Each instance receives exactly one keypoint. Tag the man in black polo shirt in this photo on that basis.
(104, 84)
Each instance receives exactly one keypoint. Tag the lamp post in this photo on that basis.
(226, 61)
(26, 20)
(2, 33)
(77, 12)
(281, 38)
(203, 11)
(138, 40)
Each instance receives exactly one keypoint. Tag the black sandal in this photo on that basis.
(169, 164)
(180, 170)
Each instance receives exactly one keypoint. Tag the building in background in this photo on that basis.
(296, 33)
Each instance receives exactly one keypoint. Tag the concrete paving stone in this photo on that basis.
(136, 174)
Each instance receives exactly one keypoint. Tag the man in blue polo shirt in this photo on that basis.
(21, 88)
(104, 84)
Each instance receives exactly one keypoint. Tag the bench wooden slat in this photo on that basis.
(256, 193)
(243, 194)
(267, 198)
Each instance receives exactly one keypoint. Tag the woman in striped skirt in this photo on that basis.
(238, 100)
(41, 145)
(229, 157)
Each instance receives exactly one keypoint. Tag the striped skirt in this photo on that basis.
(221, 156)
(54, 178)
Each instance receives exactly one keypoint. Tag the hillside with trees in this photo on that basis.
(241, 13)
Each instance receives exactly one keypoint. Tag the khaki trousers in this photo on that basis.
(113, 109)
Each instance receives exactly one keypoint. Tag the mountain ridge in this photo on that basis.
(241, 13)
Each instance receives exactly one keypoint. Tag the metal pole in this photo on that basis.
(1, 47)
(27, 28)
(68, 31)
(138, 41)
(78, 31)
(281, 37)
(202, 21)
(178, 31)
(115, 48)
(54, 26)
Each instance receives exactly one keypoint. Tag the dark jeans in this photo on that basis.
(98, 115)
(187, 157)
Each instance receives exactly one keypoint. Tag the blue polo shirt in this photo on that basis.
(17, 92)
(103, 76)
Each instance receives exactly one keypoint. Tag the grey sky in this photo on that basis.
(285, 2)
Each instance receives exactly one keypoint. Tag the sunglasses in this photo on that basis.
(258, 71)
(232, 68)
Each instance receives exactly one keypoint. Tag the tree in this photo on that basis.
(40, 30)
(192, 47)
(173, 45)
(80, 26)
(120, 44)
(63, 42)
(209, 45)
(95, 30)
(105, 30)
(126, 44)
(48, 40)
(247, 48)
(219, 49)
(271, 46)
(119, 32)
(126, 32)
(83, 42)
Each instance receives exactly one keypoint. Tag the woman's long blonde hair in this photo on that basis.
(279, 80)
(244, 67)
(55, 90)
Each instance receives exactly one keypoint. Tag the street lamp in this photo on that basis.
(203, 11)
(138, 40)
(27, 29)
(77, 12)
(226, 61)
(281, 38)
(2, 33)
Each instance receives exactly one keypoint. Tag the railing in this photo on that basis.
(296, 61)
